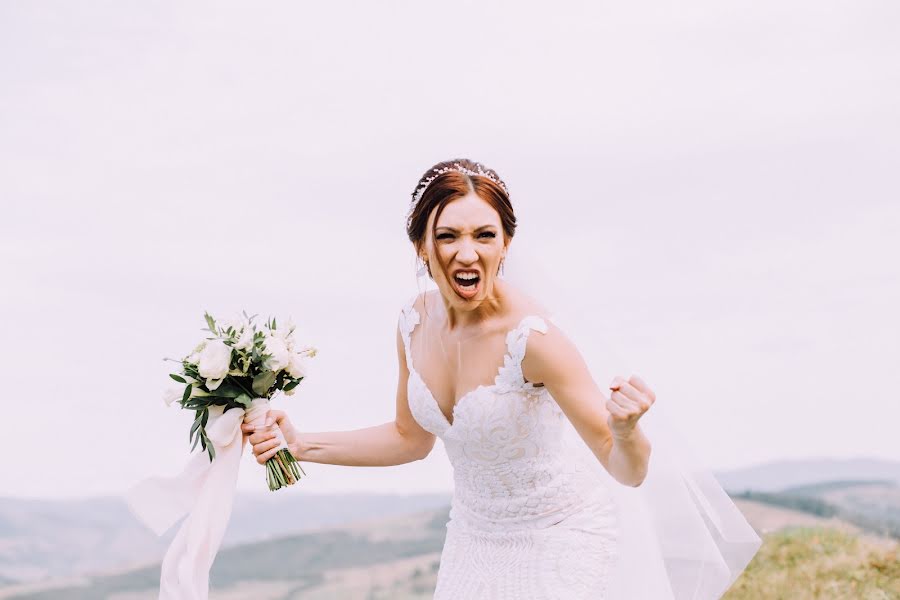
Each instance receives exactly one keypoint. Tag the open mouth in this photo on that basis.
(467, 283)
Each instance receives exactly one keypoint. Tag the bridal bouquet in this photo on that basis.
(242, 365)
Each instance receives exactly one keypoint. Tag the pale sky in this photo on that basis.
(716, 183)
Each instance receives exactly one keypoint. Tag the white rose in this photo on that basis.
(280, 357)
(214, 360)
(297, 366)
(246, 339)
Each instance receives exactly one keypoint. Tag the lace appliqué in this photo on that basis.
(510, 377)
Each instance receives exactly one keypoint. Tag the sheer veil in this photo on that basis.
(681, 536)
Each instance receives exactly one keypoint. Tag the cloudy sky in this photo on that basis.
(714, 186)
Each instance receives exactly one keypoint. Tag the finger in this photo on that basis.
(629, 390)
(642, 387)
(262, 436)
(265, 456)
(639, 398)
(615, 410)
(247, 428)
(627, 404)
(265, 446)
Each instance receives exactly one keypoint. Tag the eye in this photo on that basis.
(487, 234)
(444, 236)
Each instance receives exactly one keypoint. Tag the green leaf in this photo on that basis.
(243, 400)
(229, 388)
(273, 322)
(262, 382)
(177, 378)
(187, 393)
(194, 428)
(292, 385)
(210, 322)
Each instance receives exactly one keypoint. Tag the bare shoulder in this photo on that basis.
(551, 355)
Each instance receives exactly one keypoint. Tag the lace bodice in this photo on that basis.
(505, 442)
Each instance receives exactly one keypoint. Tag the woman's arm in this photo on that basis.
(607, 425)
(393, 443)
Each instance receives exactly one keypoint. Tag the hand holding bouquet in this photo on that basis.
(242, 366)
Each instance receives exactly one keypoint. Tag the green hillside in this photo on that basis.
(819, 564)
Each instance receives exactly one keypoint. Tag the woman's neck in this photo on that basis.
(496, 304)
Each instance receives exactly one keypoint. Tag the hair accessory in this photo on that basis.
(417, 195)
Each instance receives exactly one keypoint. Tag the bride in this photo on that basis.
(484, 367)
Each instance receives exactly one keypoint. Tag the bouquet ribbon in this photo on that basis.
(204, 491)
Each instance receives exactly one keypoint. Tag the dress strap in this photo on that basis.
(409, 318)
(510, 377)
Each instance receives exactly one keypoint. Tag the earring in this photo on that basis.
(423, 269)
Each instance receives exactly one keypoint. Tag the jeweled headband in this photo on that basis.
(417, 195)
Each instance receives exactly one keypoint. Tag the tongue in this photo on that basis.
(467, 291)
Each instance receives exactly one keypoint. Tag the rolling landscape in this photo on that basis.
(831, 530)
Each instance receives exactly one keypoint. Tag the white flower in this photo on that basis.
(212, 384)
(172, 394)
(214, 360)
(246, 339)
(297, 366)
(280, 357)
(194, 357)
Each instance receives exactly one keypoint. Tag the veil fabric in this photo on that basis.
(681, 536)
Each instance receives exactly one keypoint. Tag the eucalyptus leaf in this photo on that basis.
(262, 382)
(210, 321)
(177, 378)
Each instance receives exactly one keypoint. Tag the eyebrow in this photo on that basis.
(454, 230)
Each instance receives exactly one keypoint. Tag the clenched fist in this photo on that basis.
(628, 401)
(266, 439)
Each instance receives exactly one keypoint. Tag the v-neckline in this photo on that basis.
(437, 405)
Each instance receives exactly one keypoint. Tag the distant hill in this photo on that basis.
(73, 537)
(873, 506)
(780, 475)
(398, 559)
(349, 562)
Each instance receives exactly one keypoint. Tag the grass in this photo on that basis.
(819, 563)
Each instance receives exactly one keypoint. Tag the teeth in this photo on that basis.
(467, 275)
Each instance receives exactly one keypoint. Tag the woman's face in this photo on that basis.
(470, 241)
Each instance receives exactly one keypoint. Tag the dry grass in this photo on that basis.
(819, 563)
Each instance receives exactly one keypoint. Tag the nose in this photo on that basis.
(466, 254)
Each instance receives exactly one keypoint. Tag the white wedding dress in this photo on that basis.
(526, 520)
(532, 519)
